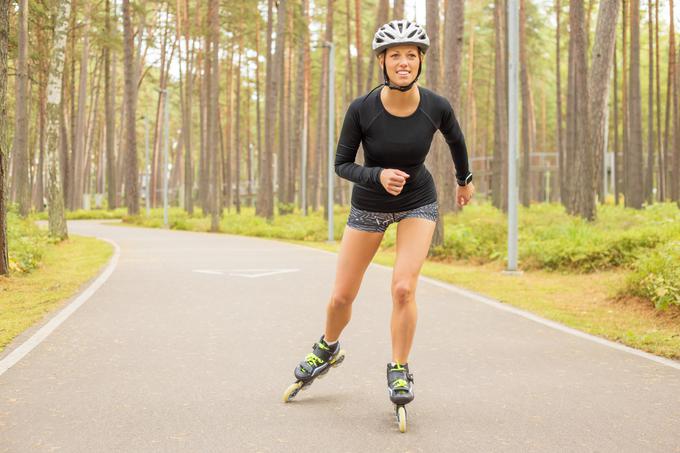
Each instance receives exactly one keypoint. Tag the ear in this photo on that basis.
(381, 59)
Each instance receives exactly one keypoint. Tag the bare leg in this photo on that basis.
(356, 252)
(414, 236)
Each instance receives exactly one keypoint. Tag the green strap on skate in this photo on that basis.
(313, 359)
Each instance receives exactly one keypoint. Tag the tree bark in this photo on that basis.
(616, 130)
(589, 165)
(558, 75)
(634, 193)
(398, 12)
(57, 221)
(498, 164)
(21, 159)
(661, 160)
(110, 116)
(260, 151)
(528, 122)
(649, 175)
(131, 76)
(432, 71)
(670, 92)
(380, 19)
(280, 65)
(76, 194)
(4, 41)
(213, 125)
(358, 45)
(265, 196)
(453, 51)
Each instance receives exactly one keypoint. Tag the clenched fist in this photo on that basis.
(393, 180)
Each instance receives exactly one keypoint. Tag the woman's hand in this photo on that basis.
(464, 194)
(393, 180)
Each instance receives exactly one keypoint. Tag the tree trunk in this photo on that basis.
(57, 221)
(453, 51)
(76, 195)
(528, 126)
(670, 93)
(635, 194)
(237, 185)
(21, 159)
(39, 188)
(432, 70)
(131, 76)
(560, 131)
(186, 116)
(4, 41)
(380, 19)
(616, 130)
(359, 45)
(213, 124)
(577, 127)
(499, 184)
(110, 116)
(298, 126)
(265, 195)
(624, 103)
(589, 165)
(649, 175)
(260, 153)
(676, 132)
(662, 167)
(398, 12)
(279, 64)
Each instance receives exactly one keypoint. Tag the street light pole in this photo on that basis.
(513, 87)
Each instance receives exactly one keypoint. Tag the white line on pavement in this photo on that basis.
(13, 357)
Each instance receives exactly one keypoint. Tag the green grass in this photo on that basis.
(25, 298)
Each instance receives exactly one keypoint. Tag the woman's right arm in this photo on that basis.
(346, 152)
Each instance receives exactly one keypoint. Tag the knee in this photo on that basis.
(402, 292)
(339, 299)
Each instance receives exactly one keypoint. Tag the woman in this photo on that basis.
(395, 125)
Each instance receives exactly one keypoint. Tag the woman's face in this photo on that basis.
(401, 63)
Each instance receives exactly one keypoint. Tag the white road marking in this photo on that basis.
(13, 357)
(248, 273)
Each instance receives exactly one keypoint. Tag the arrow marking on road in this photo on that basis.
(248, 273)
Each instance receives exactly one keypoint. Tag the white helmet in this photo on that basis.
(399, 32)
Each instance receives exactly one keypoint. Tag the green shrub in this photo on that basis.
(26, 243)
(657, 276)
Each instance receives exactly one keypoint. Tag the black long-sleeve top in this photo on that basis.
(396, 142)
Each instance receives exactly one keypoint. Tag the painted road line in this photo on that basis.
(13, 357)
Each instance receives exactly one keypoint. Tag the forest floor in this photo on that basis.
(64, 269)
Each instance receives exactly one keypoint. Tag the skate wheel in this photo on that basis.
(401, 418)
(291, 391)
(338, 360)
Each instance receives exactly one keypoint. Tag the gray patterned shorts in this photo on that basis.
(377, 222)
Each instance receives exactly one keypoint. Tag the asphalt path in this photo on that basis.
(191, 341)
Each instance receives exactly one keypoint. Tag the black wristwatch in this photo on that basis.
(465, 181)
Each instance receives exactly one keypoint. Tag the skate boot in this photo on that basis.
(315, 365)
(400, 387)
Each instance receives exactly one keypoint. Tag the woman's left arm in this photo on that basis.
(454, 137)
(456, 141)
